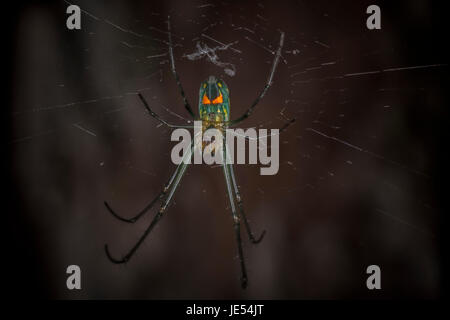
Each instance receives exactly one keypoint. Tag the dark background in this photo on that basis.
(361, 177)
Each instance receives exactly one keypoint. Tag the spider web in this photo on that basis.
(355, 169)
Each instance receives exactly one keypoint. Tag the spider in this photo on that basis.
(214, 109)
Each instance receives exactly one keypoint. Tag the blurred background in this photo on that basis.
(360, 179)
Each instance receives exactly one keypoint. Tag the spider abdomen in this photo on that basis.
(214, 100)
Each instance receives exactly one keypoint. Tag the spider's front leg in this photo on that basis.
(179, 173)
(160, 196)
(241, 208)
(231, 182)
(237, 227)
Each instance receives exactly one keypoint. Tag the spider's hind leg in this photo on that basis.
(175, 73)
(269, 82)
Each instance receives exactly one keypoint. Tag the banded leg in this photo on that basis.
(229, 167)
(237, 226)
(241, 208)
(267, 86)
(157, 117)
(174, 71)
(162, 210)
(160, 196)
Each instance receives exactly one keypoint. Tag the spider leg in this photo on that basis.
(237, 226)
(283, 128)
(174, 71)
(266, 87)
(140, 214)
(157, 117)
(241, 208)
(229, 167)
(286, 125)
(160, 196)
(155, 220)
